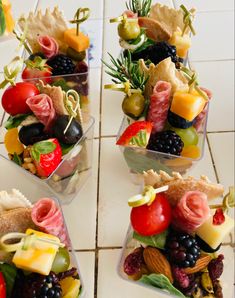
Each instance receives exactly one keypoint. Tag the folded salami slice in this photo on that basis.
(201, 117)
(47, 216)
(130, 14)
(42, 107)
(48, 45)
(159, 105)
(191, 211)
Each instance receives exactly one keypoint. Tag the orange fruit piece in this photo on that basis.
(191, 151)
(12, 142)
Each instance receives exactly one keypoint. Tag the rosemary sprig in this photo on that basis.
(141, 7)
(123, 70)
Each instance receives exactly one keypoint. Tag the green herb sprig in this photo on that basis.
(141, 7)
(123, 70)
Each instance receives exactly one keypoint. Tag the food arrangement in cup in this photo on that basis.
(164, 106)
(48, 109)
(176, 235)
(35, 257)
(6, 20)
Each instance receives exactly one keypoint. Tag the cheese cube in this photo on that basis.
(182, 43)
(78, 42)
(187, 105)
(39, 256)
(212, 234)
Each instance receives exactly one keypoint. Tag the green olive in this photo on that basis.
(133, 105)
(129, 30)
(77, 56)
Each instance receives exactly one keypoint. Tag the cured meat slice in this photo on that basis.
(47, 216)
(42, 107)
(48, 45)
(201, 117)
(154, 29)
(191, 211)
(159, 105)
(130, 14)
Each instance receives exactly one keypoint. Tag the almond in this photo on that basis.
(156, 262)
(201, 263)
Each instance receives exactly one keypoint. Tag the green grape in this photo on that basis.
(62, 261)
(129, 30)
(133, 105)
(189, 135)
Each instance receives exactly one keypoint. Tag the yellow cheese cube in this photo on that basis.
(212, 234)
(78, 42)
(39, 256)
(187, 105)
(182, 43)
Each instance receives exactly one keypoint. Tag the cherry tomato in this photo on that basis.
(14, 98)
(153, 219)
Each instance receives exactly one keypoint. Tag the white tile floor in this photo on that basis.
(98, 217)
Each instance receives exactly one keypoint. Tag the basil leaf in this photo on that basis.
(9, 273)
(15, 121)
(66, 148)
(2, 20)
(16, 158)
(162, 282)
(44, 147)
(61, 83)
(158, 240)
(35, 155)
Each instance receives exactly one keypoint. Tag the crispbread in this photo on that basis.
(163, 71)
(12, 200)
(154, 29)
(16, 220)
(178, 185)
(51, 23)
(57, 96)
(171, 18)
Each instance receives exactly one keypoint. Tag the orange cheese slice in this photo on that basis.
(78, 42)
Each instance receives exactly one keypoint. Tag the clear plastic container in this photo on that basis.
(227, 278)
(141, 159)
(12, 177)
(75, 167)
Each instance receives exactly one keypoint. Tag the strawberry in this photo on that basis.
(37, 69)
(218, 217)
(46, 156)
(136, 135)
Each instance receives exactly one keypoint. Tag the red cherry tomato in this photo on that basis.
(153, 219)
(14, 98)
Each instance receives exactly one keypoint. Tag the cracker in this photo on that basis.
(163, 71)
(57, 96)
(178, 185)
(12, 200)
(154, 29)
(171, 18)
(51, 23)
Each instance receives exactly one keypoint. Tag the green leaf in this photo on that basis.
(35, 154)
(2, 20)
(44, 147)
(162, 282)
(15, 121)
(17, 159)
(158, 240)
(66, 148)
(144, 45)
(9, 273)
(61, 83)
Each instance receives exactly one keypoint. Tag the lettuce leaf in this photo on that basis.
(162, 282)
(158, 240)
(2, 20)
(9, 273)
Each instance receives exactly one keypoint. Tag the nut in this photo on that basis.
(26, 152)
(156, 262)
(30, 166)
(201, 263)
(28, 159)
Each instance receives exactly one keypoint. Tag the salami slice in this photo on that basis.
(42, 107)
(130, 14)
(201, 117)
(191, 211)
(48, 45)
(159, 105)
(47, 216)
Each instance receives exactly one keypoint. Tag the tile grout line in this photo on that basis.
(96, 270)
(212, 159)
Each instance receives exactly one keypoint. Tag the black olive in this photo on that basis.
(73, 133)
(32, 133)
